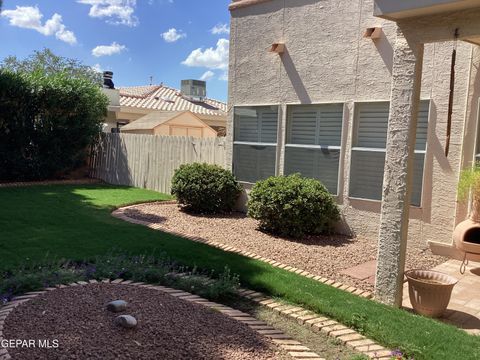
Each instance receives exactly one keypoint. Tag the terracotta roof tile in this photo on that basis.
(160, 97)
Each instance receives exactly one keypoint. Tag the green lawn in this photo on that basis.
(74, 222)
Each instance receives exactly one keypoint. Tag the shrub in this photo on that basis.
(469, 183)
(204, 188)
(292, 206)
(47, 123)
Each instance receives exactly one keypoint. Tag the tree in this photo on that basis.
(47, 123)
(47, 63)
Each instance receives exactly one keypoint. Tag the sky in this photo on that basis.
(170, 40)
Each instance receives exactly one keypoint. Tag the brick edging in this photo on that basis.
(332, 328)
(50, 182)
(293, 347)
(120, 214)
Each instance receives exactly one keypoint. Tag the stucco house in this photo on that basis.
(378, 99)
(170, 123)
(129, 104)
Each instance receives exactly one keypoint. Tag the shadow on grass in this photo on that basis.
(74, 222)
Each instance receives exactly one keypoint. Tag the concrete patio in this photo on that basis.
(464, 308)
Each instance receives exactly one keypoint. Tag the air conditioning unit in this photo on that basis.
(194, 90)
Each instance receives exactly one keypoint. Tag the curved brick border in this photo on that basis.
(50, 182)
(120, 214)
(293, 347)
(332, 328)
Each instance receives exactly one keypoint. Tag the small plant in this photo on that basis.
(469, 181)
(399, 355)
(205, 189)
(292, 206)
(470, 184)
(139, 268)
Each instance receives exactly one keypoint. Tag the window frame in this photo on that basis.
(250, 143)
(354, 134)
(476, 152)
(340, 148)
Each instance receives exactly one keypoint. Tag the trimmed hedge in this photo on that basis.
(292, 206)
(47, 123)
(204, 188)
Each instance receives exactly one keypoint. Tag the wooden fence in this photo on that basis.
(148, 161)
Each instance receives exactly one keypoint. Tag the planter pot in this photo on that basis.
(430, 291)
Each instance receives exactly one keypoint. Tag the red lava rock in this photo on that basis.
(168, 328)
(325, 256)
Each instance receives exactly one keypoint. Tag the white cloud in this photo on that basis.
(97, 68)
(211, 58)
(224, 76)
(30, 17)
(118, 12)
(220, 29)
(173, 35)
(107, 50)
(207, 75)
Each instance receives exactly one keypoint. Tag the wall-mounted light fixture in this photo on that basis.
(373, 33)
(278, 48)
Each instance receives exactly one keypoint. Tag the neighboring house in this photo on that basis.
(175, 123)
(129, 104)
(329, 89)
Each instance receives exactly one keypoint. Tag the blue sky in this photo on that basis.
(170, 40)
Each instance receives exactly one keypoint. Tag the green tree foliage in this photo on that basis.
(292, 206)
(47, 122)
(46, 62)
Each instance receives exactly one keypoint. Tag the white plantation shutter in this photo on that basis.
(368, 153)
(314, 134)
(255, 142)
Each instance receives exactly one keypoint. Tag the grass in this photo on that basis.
(319, 342)
(74, 222)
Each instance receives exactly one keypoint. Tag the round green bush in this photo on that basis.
(204, 188)
(292, 206)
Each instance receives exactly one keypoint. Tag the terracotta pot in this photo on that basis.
(430, 291)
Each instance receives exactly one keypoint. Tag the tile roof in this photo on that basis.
(160, 97)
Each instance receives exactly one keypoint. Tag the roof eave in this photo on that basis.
(238, 4)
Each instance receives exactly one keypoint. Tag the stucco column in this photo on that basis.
(397, 183)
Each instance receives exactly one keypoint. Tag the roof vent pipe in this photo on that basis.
(107, 80)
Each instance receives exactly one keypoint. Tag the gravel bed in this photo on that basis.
(321, 255)
(168, 328)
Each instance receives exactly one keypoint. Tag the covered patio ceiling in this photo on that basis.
(402, 9)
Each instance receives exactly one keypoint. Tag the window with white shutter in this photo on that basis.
(313, 145)
(255, 142)
(368, 152)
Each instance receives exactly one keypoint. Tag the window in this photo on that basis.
(368, 152)
(314, 135)
(255, 142)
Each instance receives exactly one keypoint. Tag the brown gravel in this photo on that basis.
(168, 328)
(321, 255)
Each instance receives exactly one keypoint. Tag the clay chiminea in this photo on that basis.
(467, 233)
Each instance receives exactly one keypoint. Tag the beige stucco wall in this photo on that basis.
(142, 132)
(328, 60)
(186, 121)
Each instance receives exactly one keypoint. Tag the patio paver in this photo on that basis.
(464, 308)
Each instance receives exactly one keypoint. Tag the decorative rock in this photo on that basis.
(126, 321)
(117, 306)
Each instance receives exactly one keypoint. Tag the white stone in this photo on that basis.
(126, 321)
(117, 306)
